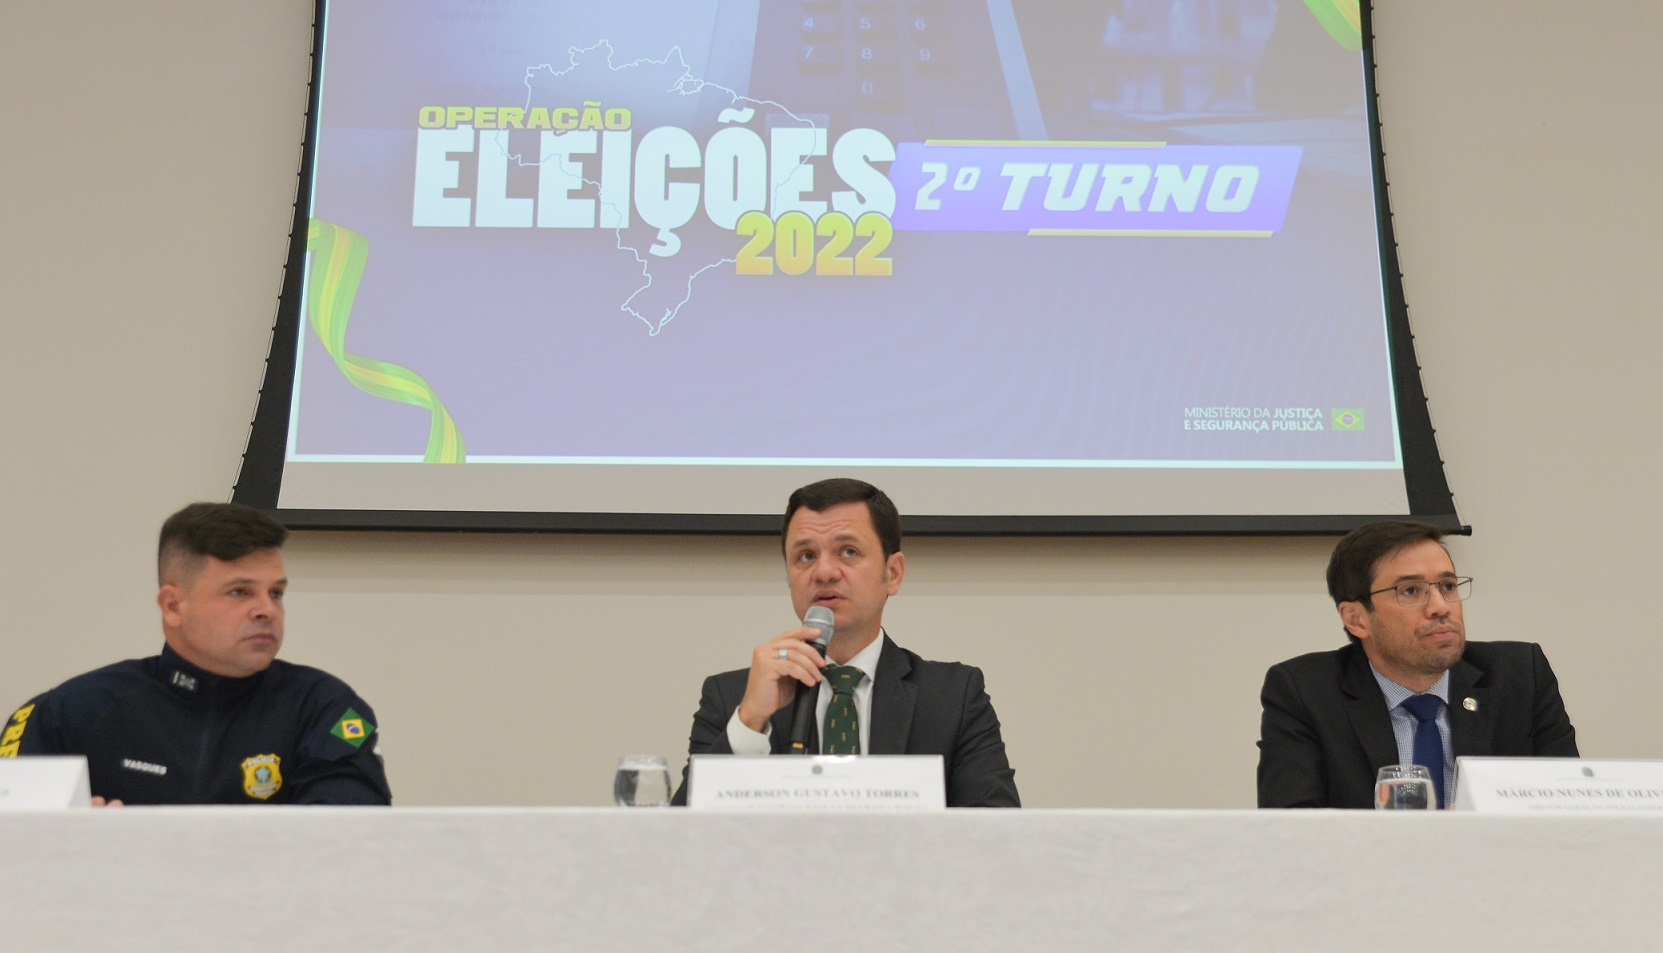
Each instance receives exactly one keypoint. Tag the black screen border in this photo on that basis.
(259, 480)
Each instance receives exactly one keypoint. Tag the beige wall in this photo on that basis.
(147, 171)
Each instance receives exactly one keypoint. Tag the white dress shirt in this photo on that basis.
(745, 741)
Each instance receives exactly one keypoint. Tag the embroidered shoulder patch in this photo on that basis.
(353, 728)
(11, 732)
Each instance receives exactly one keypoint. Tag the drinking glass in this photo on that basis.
(643, 780)
(1404, 787)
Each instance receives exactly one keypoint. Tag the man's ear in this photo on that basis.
(894, 568)
(168, 598)
(1356, 618)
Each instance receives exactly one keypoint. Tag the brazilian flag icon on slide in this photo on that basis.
(1347, 418)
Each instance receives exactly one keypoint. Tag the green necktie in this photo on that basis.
(842, 728)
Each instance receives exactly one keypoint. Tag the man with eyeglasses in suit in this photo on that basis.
(1408, 688)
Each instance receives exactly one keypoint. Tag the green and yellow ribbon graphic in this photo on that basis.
(338, 257)
(1343, 20)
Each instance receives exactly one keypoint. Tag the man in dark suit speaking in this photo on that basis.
(1409, 688)
(842, 544)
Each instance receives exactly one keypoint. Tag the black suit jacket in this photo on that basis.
(918, 707)
(1326, 730)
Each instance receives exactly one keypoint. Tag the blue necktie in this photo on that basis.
(1429, 742)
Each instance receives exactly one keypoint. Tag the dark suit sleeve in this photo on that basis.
(710, 731)
(978, 773)
(1551, 731)
(1290, 755)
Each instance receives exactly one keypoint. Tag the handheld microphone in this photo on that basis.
(820, 619)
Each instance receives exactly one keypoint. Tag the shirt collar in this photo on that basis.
(867, 658)
(1395, 693)
(188, 681)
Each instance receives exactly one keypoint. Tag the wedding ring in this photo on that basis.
(785, 653)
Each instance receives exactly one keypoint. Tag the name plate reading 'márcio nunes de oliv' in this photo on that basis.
(1533, 785)
(818, 783)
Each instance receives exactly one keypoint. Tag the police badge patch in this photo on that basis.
(261, 777)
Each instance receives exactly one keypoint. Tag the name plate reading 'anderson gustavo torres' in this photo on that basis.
(1537, 785)
(817, 783)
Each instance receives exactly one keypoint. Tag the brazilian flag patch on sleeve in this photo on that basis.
(353, 728)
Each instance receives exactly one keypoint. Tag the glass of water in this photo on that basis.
(1404, 787)
(643, 780)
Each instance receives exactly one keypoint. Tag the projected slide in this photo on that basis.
(1001, 258)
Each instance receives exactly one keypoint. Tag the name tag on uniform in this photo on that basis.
(1539, 785)
(44, 783)
(894, 782)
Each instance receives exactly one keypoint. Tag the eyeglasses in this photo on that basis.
(1413, 595)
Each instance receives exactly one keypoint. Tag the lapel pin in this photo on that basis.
(1470, 704)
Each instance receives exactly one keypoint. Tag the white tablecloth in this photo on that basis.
(482, 880)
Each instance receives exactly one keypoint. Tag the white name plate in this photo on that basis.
(1532, 785)
(44, 783)
(895, 782)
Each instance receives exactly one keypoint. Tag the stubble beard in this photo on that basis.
(1433, 660)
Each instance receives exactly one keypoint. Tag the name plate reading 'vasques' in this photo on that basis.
(817, 783)
(1533, 785)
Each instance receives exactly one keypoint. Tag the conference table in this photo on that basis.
(543, 879)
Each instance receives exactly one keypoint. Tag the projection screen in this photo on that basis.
(1032, 267)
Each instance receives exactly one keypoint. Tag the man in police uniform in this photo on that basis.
(215, 718)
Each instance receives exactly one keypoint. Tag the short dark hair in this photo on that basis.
(1351, 567)
(225, 531)
(822, 496)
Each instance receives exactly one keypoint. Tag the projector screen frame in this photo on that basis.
(260, 477)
